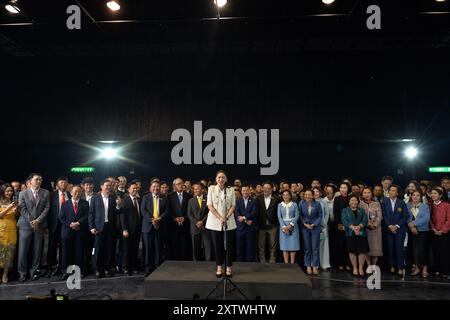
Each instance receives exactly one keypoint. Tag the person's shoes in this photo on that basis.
(415, 272)
(126, 271)
(425, 274)
(56, 272)
(120, 270)
(315, 271)
(108, 274)
(400, 272)
(369, 270)
(308, 270)
(341, 268)
(219, 272)
(392, 270)
(135, 272)
(22, 279)
(355, 272)
(35, 277)
(65, 276)
(229, 273)
(361, 273)
(98, 274)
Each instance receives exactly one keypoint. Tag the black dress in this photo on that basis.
(337, 237)
(357, 244)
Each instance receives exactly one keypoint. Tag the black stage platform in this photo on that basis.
(328, 285)
(267, 281)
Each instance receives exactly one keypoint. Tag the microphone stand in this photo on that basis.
(226, 279)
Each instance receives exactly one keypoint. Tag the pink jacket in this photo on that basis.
(440, 217)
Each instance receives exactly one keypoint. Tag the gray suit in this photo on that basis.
(30, 210)
(199, 236)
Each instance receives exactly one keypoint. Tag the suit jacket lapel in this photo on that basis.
(31, 196)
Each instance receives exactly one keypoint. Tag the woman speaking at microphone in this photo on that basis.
(221, 203)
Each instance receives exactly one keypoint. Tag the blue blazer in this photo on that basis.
(97, 212)
(348, 218)
(422, 221)
(147, 211)
(316, 213)
(67, 216)
(250, 213)
(399, 216)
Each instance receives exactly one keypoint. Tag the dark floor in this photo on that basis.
(328, 285)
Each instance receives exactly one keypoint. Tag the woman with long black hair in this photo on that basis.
(221, 203)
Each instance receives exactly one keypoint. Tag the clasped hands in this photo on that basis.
(393, 228)
(356, 229)
(75, 226)
(242, 219)
(287, 229)
(179, 221)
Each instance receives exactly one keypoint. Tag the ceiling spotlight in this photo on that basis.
(440, 0)
(113, 5)
(411, 152)
(12, 7)
(327, 1)
(109, 153)
(220, 3)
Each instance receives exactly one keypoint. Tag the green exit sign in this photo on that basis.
(439, 169)
(82, 169)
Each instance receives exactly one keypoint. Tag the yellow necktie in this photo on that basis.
(155, 207)
(199, 202)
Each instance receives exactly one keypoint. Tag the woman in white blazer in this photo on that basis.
(221, 202)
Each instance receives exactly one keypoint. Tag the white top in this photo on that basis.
(106, 205)
(330, 204)
(89, 197)
(267, 201)
(222, 203)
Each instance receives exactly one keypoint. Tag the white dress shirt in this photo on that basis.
(267, 201)
(393, 204)
(106, 204)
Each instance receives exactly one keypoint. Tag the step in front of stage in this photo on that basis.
(195, 280)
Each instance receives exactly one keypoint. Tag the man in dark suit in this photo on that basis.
(178, 224)
(131, 228)
(267, 223)
(73, 218)
(395, 223)
(153, 211)
(57, 199)
(102, 223)
(88, 243)
(35, 204)
(246, 222)
(197, 213)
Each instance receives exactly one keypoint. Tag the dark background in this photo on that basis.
(342, 96)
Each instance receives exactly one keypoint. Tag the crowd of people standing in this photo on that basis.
(123, 229)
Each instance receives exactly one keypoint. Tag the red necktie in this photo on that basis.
(63, 199)
(75, 207)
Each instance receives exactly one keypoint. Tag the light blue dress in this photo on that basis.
(289, 214)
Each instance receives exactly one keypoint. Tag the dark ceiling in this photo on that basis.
(314, 71)
(144, 27)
